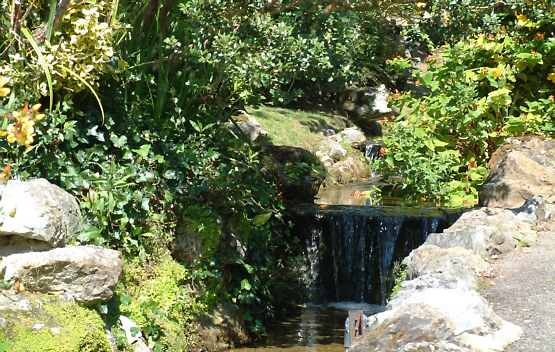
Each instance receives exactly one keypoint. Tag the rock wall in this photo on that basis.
(43, 277)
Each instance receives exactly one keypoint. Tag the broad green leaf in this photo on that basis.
(262, 219)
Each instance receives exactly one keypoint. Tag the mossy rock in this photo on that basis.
(53, 326)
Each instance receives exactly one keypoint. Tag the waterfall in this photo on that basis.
(351, 251)
(372, 150)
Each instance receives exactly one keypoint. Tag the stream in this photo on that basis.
(311, 328)
(352, 252)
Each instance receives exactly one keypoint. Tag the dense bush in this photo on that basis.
(480, 91)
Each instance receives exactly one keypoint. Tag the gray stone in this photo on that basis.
(428, 318)
(331, 149)
(485, 231)
(352, 136)
(15, 244)
(458, 264)
(520, 169)
(40, 211)
(86, 274)
(394, 330)
(12, 302)
(251, 128)
(38, 326)
(369, 102)
(350, 169)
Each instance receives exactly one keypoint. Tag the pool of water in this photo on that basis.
(311, 328)
(364, 194)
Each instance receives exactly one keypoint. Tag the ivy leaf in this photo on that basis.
(262, 219)
(245, 285)
(143, 151)
(119, 142)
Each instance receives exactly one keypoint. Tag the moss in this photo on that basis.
(297, 128)
(161, 303)
(79, 330)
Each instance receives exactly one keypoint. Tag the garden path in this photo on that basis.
(523, 292)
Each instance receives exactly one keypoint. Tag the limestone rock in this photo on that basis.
(427, 318)
(87, 274)
(520, 169)
(251, 128)
(40, 211)
(352, 135)
(400, 329)
(485, 231)
(12, 302)
(332, 149)
(457, 263)
(349, 170)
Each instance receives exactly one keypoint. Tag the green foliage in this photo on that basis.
(161, 302)
(399, 274)
(481, 91)
(449, 21)
(80, 330)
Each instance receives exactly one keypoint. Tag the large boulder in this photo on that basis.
(40, 211)
(520, 169)
(423, 318)
(86, 274)
(458, 264)
(352, 136)
(485, 231)
(331, 149)
(348, 170)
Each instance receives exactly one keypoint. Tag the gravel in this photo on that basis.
(523, 292)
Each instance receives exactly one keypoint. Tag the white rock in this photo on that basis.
(39, 210)
(352, 135)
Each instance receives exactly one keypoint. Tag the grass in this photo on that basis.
(296, 127)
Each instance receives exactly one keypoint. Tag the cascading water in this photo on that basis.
(351, 251)
(372, 150)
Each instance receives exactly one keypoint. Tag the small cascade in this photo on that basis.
(351, 251)
(372, 150)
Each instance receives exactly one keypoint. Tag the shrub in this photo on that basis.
(481, 90)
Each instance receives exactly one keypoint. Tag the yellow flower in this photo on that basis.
(23, 130)
(521, 19)
(420, 5)
(4, 91)
(497, 72)
(551, 77)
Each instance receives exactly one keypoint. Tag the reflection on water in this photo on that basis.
(310, 329)
(364, 194)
